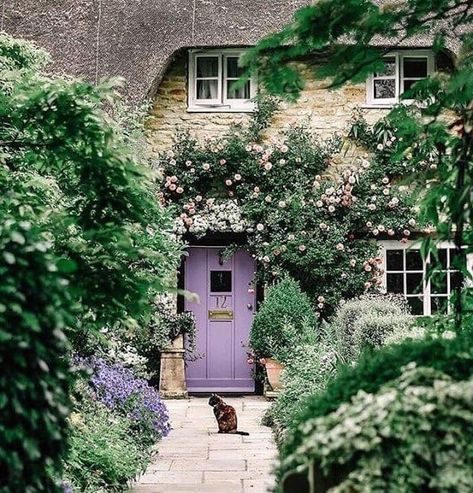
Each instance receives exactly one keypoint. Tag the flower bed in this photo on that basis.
(116, 422)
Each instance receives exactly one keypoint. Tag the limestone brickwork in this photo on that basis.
(325, 111)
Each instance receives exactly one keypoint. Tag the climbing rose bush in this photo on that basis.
(298, 213)
(117, 388)
(412, 435)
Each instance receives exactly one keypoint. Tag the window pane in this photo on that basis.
(456, 280)
(207, 89)
(207, 66)
(389, 67)
(240, 93)
(438, 304)
(395, 283)
(384, 88)
(414, 283)
(442, 252)
(456, 260)
(394, 259)
(233, 70)
(414, 260)
(416, 305)
(408, 84)
(438, 283)
(415, 67)
(220, 281)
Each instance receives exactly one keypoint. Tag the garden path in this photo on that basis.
(194, 458)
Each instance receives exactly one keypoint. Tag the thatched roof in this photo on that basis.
(136, 39)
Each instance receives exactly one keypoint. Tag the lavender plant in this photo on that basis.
(119, 390)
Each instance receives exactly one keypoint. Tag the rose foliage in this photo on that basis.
(297, 218)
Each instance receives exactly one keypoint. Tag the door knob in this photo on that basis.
(249, 306)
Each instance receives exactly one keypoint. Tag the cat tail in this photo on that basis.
(245, 433)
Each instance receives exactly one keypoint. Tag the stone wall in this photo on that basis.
(324, 110)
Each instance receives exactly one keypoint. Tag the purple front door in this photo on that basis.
(224, 315)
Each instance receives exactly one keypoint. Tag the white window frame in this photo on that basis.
(399, 57)
(222, 103)
(426, 292)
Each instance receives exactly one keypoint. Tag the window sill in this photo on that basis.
(377, 106)
(220, 109)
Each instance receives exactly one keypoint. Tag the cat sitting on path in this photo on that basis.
(225, 415)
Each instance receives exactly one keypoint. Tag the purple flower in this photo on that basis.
(117, 388)
(66, 487)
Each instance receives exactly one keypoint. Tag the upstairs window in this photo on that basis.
(401, 71)
(212, 75)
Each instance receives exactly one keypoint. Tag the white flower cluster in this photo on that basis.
(214, 216)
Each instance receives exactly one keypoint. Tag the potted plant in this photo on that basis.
(285, 320)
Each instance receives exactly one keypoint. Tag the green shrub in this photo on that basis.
(413, 434)
(285, 320)
(34, 380)
(371, 321)
(104, 449)
(305, 373)
(374, 369)
(83, 245)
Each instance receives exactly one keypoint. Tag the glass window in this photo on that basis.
(220, 281)
(212, 82)
(384, 83)
(234, 72)
(207, 69)
(414, 69)
(401, 71)
(406, 275)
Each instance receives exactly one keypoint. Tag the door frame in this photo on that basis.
(221, 241)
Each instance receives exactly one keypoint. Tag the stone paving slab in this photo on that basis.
(194, 458)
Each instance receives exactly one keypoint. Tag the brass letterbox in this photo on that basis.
(220, 314)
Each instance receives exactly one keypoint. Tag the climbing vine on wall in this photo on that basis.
(301, 214)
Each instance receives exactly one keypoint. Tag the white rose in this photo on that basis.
(259, 227)
(282, 204)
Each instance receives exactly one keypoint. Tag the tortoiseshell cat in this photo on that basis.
(225, 415)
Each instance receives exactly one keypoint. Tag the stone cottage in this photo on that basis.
(183, 57)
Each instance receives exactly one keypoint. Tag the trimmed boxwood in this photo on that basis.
(285, 305)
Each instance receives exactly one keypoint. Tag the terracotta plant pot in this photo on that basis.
(273, 370)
